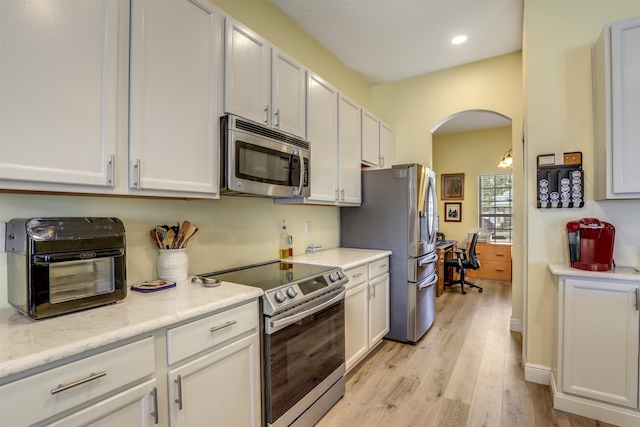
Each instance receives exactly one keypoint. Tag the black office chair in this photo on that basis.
(462, 263)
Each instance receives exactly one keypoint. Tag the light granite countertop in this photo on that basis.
(26, 343)
(617, 273)
(345, 258)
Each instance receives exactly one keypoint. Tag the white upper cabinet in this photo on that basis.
(60, 87)
(262, 83)
(370, 139)
(616, 90)
(349, 143)
(288, 94)
(247, 73)
(175, 92)
(322, 133)
(386, 146)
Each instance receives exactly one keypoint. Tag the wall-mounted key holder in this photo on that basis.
(560, 180)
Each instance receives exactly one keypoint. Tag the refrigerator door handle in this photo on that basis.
(428, 282)
(433, 257)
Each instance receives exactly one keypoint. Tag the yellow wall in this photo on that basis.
(559, 37)
(416, 106)
(472, 153)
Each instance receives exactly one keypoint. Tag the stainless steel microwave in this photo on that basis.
(258, 160)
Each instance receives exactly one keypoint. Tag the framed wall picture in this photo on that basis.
(453, 212)
(452, 186)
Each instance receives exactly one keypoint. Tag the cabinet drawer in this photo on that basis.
(70, 385)
(357, 276)
(376, 268)
(187, 340)
(497, 270)
(494, 252)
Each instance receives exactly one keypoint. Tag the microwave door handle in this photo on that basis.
(300, 185)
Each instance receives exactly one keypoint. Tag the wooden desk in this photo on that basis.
(445, 250)
(495, 261)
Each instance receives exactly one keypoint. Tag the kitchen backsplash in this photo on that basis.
(232, 231)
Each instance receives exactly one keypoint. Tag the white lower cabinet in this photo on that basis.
(102, 376)
(366, 309)
(221, 386)
(211, 366)
(136, 406)
(595, 370)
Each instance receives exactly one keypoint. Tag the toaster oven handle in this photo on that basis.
(77, 256)
(301, 184)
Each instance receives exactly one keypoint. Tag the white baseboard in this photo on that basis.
(537, 373)
(611, 414)
(516, 325)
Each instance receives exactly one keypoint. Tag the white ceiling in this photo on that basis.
(389, 40)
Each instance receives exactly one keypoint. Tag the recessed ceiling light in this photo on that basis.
(459, 39)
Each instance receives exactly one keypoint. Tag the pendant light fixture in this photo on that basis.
(507, 160)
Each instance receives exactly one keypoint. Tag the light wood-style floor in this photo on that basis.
(466, 371)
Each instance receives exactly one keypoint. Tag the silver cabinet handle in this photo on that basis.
(111, 171)
(266, 114)
(342, 195)
(92, 376)
(277, 115)
(357, 275)
(226, 325)
(637, 299)
(382, 266)
(154, 414)
(136, 174)
(373, 291)
(179, 399)
(381, 161)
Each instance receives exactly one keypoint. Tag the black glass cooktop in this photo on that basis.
(270, 275)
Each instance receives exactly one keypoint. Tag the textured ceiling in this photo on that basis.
(388, 40)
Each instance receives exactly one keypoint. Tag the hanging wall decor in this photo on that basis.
(560, 180)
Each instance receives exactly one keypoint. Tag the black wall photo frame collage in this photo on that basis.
(560, 180)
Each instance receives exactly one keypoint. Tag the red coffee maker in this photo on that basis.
(591, 244)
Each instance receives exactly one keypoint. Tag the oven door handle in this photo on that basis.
(276, 325)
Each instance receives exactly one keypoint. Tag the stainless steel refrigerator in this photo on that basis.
(399, 213)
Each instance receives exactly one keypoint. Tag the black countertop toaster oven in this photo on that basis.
(61, 265)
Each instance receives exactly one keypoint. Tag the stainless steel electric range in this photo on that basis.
(303, 337)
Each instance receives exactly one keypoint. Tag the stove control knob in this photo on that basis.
(340, 275)
(291, 292)
(333, 276)
(279, 296)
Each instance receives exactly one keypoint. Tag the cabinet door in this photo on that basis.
(288, 95)
(386, 146)
(625, 100)
(600, 346)
(247, 77)
(378, 309)
(136, 406)
(322, 133)
(356, 312)
(221, 388)
(175, 69)
(59, 82)
(370, 139)
(349, 151)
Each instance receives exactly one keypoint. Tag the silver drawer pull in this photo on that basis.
(155, 414)
(382, 266)
(226, 325)
(92, 376)
(357, 275)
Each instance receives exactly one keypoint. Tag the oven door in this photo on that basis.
(304, 356)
